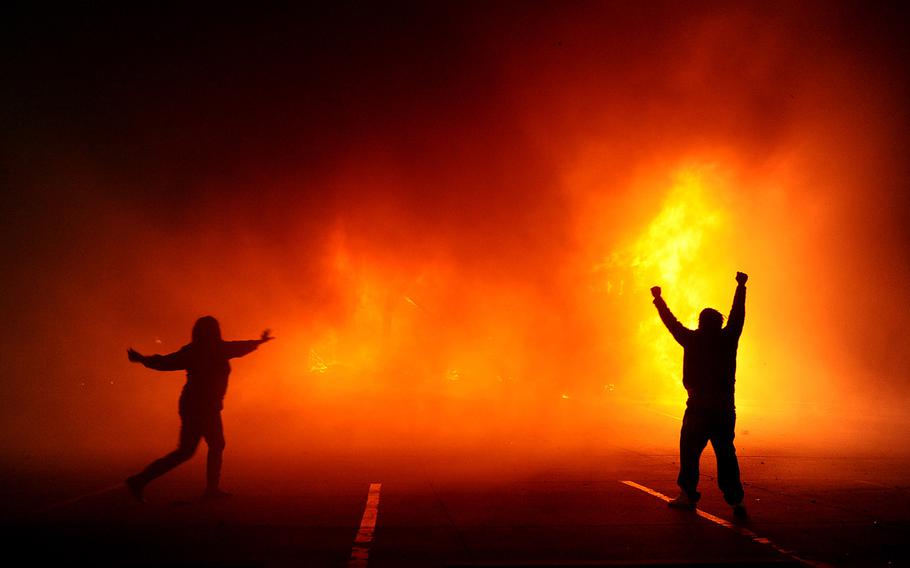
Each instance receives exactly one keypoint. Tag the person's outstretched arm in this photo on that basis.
(738, 312)
(175, 361)
(234, 349)
(679, 331)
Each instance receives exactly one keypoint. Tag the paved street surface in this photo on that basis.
(435, 510)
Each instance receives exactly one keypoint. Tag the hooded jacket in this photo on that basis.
(709, 360)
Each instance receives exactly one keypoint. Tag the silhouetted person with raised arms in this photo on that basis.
(205, 360)
(709, 374)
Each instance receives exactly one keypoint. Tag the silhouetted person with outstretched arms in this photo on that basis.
(709, 374)
(205, 360)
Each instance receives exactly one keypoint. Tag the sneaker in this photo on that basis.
(214, 494)
(739, 511)
(135, 485)
(683, 501)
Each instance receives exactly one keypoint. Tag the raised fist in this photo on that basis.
(655, 291)
(741, 277)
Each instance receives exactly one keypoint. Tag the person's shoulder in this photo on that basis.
(232, 344)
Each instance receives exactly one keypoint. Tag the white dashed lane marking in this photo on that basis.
(360, 553)
(727, 524)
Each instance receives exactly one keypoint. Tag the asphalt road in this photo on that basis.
(436, 511)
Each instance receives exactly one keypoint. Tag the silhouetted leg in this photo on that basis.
(727, 465)
(190, 434)
(692, 441)
(214, 438)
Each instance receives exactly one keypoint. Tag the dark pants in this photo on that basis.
(192, 429)
(699, 427)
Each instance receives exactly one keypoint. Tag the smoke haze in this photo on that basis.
(450, 218)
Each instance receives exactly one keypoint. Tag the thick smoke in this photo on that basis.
(433, 210)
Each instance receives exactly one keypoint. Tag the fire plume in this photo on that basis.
(685, 250)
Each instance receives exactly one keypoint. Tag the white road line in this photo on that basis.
(727, 524)
(360, 553)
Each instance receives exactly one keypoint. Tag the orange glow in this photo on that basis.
(453, 243)
(682, 250)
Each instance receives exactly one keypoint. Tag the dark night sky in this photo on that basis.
(169, 100)
(251, 85)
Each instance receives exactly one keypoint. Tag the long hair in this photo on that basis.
(206, 332)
